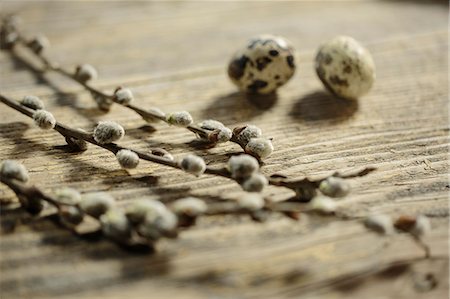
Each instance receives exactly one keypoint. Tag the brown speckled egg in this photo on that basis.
(264, 64)
(345, 67)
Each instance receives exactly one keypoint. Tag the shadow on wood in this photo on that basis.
(116, 179)
(23, 147)
(62, 98)
(66, 99)
(240, 106)
(141, 132)
(320, 105)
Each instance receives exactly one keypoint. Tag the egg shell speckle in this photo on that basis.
(266, 63)
(345, 67)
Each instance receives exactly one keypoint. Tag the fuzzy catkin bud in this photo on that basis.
(166, 223)
(103, 103)
(68, 196)
(323, 205)
(224, 134)
(157, 224)
(380, 223)
(76, 144)
(251, 202)
(244, 134)
(32, 102)
(421, 227)
(334, 187)
(8, 32)
(242, 166)
(44, 119)
(8, 36)
(219, 133)
(189, 206)
(123, 96)
(70, 215)
(137, 210)
(162, 153)
(96, 204)
(259, 147)
(255, 183)
(180, 119)
(85, 72)
(127, 159)
(159, 114)
(39, 44)
(108, 131)
(11, 169)
(211, 124)
(193, 164)
(115, 225)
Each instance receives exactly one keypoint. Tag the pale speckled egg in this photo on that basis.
(266, 63)
(345, 67)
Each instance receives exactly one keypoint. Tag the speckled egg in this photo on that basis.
(266, 63)
(345, 67)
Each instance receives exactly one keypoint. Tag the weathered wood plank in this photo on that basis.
(173, 55)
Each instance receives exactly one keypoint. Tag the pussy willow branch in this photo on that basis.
(112, 147)
(145, 114)
(221, 208)
(31, 198)
(31, 192)
(306, 188)
(92, 225)
(224, 207)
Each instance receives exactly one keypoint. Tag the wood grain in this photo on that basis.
(173, 55)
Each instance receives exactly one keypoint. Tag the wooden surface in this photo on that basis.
(174, 55)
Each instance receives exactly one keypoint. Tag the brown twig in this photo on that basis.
(306, 188)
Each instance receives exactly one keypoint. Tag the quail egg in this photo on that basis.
(345, 67)
(263, 65)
